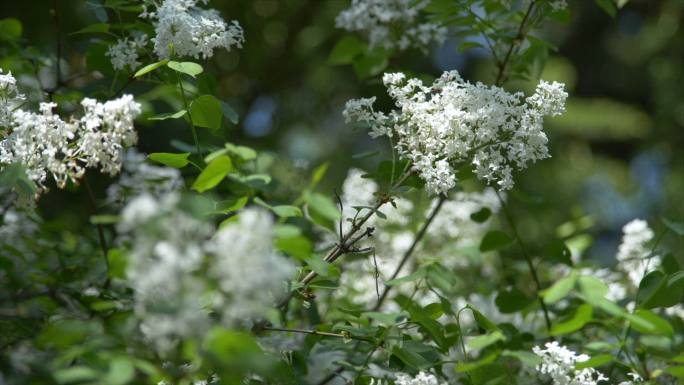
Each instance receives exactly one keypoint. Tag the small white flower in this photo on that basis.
(453, 122)
(421, 378)
(633, 255)
(391, 24)
(125, 52)
(191, 30)
(558, 362)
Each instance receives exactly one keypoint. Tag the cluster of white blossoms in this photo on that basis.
(248, 270)
(189, 29)
(453, 123)
(139, 177)
(46, 144)
(558, 362)
(164, 269)
(421, 378)
(391, 24)
(175, 264)
(9, 97)
(125, 52)
(633, 256)
(450, 230)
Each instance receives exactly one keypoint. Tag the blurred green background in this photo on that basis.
(616, 153)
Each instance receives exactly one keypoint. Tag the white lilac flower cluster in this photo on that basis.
(189, 29)
(391, 24)
(125, 52)
(451, 228)
(248, 271)
(139, 177)
(421, 378)
(9, 97)
(558, 362)
(47, 145)
(175, 262)
(453, 122)
(633, 256)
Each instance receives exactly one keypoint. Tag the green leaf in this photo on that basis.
(560, 289)
(121, 371)
(485, 340)
(170, 159)
(607, 6)
(213, 174)
(206, 112)
(346, 50)
(494, 240)
(481, 320)
(13, 176)
(285, 211)
(595, 361)
(511, 300)
(297, 246)
(93, 28)
(675, 227)
(169, 115)
(322, 210)
(558, 251)
(75, 374)
(529, 359)
(186, 67)
(659, 324)
(370, 64)
(411, 357)
(229, 113)
(482, 215)
(118, 262)
(149, 68)
(10, 29)
(433, 328)
(677, 371)
(582, 315)
(243, 152)
(592, 288)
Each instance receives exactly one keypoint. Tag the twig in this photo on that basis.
(520, 35)
(187, 111)
(528, 259)
(316, 333)
(100, 228)
(347, 241)
(409, 252)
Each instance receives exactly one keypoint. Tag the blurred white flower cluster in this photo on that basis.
(9, 97)
(175, 264)
(421, 378)
(139, 177)
(453, 122)
(633, 255)
(450, 230)
(46, 144)
(190, 30)
(391, 24)
(558, 362)
(125, 52)
(248, 271)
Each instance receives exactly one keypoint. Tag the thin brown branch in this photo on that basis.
(517, 40)
(315, 333)
(347, 241)
(528, 259)
(409, 252)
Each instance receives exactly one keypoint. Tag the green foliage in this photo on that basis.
(213, 174)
